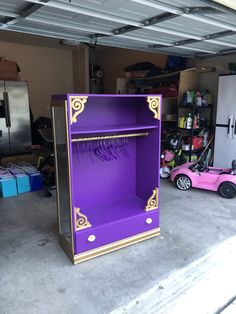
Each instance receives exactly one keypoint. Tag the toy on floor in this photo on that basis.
(199, 175)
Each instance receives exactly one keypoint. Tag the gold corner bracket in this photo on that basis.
(152, 202)
(81, 221)
(76, 107)
(154, 106)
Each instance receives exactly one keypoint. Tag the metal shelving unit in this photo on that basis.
(193, 131)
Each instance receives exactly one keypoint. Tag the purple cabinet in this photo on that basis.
(107, 150)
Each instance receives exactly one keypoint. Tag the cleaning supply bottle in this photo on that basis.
(198, 99)
(185, 99)
(189, 121)
(198, 120)
(205, 98)
(181, 121)
(195, 124)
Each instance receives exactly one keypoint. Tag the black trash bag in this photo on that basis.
(40, 123)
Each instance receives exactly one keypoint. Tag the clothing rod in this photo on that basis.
(107, 137)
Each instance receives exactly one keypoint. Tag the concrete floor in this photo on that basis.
(37, 277)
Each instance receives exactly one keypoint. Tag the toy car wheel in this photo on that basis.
(165, 172)
(183, 182)
(227, 189)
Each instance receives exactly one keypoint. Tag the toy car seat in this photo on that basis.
(199, 166)
(234, 166)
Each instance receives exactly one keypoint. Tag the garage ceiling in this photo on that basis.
(187, 28)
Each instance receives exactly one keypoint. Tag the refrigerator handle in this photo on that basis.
(7, 109)
(234, 127)
(230, 126)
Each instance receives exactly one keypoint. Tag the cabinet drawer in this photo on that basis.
(95, 237)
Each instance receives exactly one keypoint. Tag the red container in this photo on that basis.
(197, 142)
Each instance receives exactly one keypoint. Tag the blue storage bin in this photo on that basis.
(22, 179)
(23, 183)
(36, 181)
(35, 177)
(8, 186)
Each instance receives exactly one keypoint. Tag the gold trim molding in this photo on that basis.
(152, 202)
(81, 221)
(76, 107)
(154, 106)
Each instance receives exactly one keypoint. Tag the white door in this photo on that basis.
(223, 147)
(226, 103)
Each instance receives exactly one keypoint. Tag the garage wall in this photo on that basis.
(113, 61)
(47, 70)
(210, 80)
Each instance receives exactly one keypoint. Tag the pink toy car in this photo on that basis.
(197, 175)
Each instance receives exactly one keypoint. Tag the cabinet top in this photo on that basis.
(65, 96)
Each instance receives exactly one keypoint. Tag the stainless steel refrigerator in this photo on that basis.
(225, 135)
(14, 117)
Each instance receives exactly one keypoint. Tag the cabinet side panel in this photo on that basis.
(148, 152)
(147, 165)
(62, 171)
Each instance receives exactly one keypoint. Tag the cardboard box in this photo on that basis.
(26, 158)
(8, 70)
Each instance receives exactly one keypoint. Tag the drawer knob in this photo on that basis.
(148, 221)
(91, 238)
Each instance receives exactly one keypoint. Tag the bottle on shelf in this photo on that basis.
(205, 98)
(188, 98)
(198, 120)
(198, 99)
(189, 120)
(195, 122)
(181, 122)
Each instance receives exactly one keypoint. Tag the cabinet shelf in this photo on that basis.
(109, 213)
(113, 128)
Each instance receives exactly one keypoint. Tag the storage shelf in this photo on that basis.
(117, 211)
(159, 76)
(195, 107)
(194, 130)
(111, 129)
(164, 75)
(171, 120)
(194, 151)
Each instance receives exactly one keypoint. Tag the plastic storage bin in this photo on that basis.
(23, 183)
(8, 185)
(35, 177)
(36, 181)
(22, 179)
